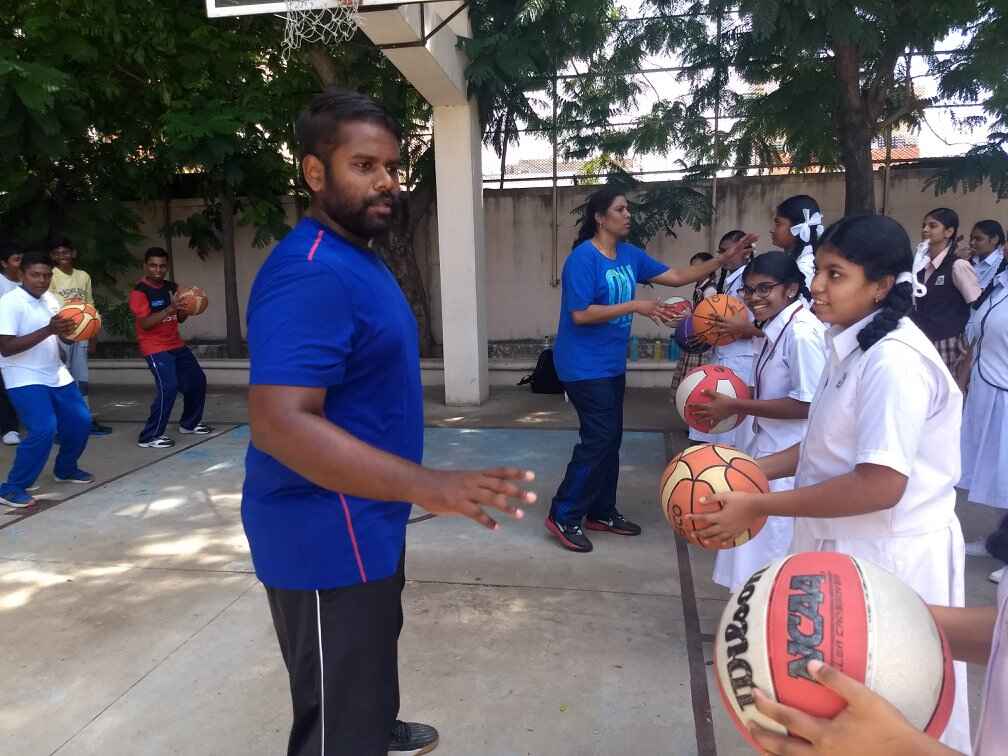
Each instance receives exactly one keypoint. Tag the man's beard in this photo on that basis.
(356, 220)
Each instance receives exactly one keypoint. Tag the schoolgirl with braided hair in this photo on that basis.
(875, 473)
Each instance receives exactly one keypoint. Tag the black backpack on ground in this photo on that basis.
(544, 378)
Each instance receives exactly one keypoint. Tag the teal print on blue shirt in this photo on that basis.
(622, 283)
(598, 350)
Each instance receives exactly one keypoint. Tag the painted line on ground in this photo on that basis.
(45, 506)
(703, 722)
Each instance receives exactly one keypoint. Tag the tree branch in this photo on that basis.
(324, 65)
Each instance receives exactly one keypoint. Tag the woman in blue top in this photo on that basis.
(600, 279)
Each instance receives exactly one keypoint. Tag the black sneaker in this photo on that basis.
(571, 536)
(412, 737)
(97, 429)
(614, 523)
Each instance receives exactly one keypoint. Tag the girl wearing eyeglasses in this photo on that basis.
(788, 359)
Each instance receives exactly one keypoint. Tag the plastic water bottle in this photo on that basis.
(634, 349)
(673, 349)
(659, 349)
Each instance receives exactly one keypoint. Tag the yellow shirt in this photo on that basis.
(76, 285)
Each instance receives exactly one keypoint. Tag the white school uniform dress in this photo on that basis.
(992, 730)
(895, 405)
(789, 362)
(984, 441)
(987, 268)
(737, 357)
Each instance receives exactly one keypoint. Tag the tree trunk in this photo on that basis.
(168, 236)
(232, 313)
(854, 130)
(323, 64)
(396, 249)
(859, 178)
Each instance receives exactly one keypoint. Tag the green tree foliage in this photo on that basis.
(978, 73)
(818, 82)
(518, 49)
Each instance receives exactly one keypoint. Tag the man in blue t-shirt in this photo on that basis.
(336, 413)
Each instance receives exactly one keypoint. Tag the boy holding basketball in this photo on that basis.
(173, 365)
(71, 284)
(41, 389)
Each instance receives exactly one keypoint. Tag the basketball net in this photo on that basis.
(307, 23)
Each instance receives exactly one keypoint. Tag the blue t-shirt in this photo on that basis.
(324, 313)
(584, 352)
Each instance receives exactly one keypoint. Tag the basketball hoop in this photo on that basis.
(311, 21)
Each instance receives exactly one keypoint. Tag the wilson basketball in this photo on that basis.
(845, 612)
(85, 318)
(715, 378)
(192, 300)
(703, 470)
(684, 338)
(679, 305)
(719, 305)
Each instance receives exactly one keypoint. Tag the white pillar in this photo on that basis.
(462, 252)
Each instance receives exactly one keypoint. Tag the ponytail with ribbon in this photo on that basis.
(803, 230)
(806, 222)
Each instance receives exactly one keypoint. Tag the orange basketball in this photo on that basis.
(720, 305)
(192, 300)
(701, 471)
(86, 319)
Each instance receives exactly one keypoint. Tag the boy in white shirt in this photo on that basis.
(41, 389)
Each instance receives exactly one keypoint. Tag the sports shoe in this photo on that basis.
(977, 548)
(202, 429)
(413, 737)
(99, 430)
(571, 536)
(77, 476)
(17, 499)
(615, 523)
(997, 576)
(161, 442)
(12, 438)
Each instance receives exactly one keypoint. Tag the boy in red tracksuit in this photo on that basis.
(172, 363)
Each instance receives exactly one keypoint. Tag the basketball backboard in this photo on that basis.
(450, 11)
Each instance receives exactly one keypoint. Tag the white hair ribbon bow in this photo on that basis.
(921, 260)
(803, 230)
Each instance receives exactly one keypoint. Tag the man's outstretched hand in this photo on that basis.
(469, 492)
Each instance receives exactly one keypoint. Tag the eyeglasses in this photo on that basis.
(761, 290)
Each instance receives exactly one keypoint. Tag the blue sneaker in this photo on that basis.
(18, 499)
(77, 476)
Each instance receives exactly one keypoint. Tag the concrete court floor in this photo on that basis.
(134, 624)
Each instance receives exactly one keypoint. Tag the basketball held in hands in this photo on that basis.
(191, 300)
(715, 378)
(85, 318)
(708, 311)
(701, 471)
